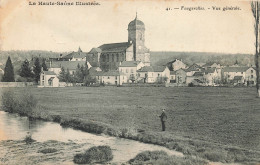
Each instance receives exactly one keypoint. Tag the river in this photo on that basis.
(14, 127)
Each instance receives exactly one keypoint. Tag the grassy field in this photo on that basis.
(223, 116)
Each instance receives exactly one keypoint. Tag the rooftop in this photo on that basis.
(114, 47)
(152, 69)
(129, 63)
(235, 69)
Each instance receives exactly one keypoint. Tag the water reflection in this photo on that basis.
(14, 127)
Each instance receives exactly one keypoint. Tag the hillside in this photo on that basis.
(161, 58)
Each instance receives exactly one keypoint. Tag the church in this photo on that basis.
(110, 56)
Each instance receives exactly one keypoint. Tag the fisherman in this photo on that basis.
(163, 117)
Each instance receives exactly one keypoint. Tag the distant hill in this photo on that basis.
(161, 58)
(18, 56)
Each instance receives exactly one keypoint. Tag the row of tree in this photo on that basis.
(27, 72)
(81, 75)
(31, 73)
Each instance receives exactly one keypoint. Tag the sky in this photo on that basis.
(65, 28)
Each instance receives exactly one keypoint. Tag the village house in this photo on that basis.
(192, 69)
(111, 77)
(212, 76)
(49, 79)
(196, 78)
(244, 75)
(250, 76)
(153, 74)
(176, 65)
(212, 65)
(75, 56)
(129, 68)
(172, 76)
(181, 76)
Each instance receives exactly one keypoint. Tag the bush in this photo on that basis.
(191, 85)
(22, 103)
(99, 154)
(216, 156)
(48, 150)
(28, 139)
(161, 157)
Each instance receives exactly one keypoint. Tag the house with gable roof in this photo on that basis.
(176, 65)
(129, 68)
(181, 76)
(113, 77)
(196, 78)
(247, 75)
(75, 56)
(49, 79)
(212, 76)
(154, 74)
(193, 68)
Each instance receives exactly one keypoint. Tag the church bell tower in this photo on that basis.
(136, 35)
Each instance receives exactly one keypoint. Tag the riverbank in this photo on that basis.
(74, 110)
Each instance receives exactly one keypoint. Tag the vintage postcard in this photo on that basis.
(129, 82)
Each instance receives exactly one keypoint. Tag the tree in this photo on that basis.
(132, 78)
(68, 77)
(79, 74)
(89, 80)
(37, 69)
(8, 71)
(62, 75)
(44, 66)
(25, 70)
(255, 6)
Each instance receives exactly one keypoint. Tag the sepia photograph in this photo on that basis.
(129, 82)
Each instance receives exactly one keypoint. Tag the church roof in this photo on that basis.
(95, 50)
(152, 69)
(78, 54)
(129, 63)
(114, 47)
(136, 22)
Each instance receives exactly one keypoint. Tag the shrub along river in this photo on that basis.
(67, 141)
